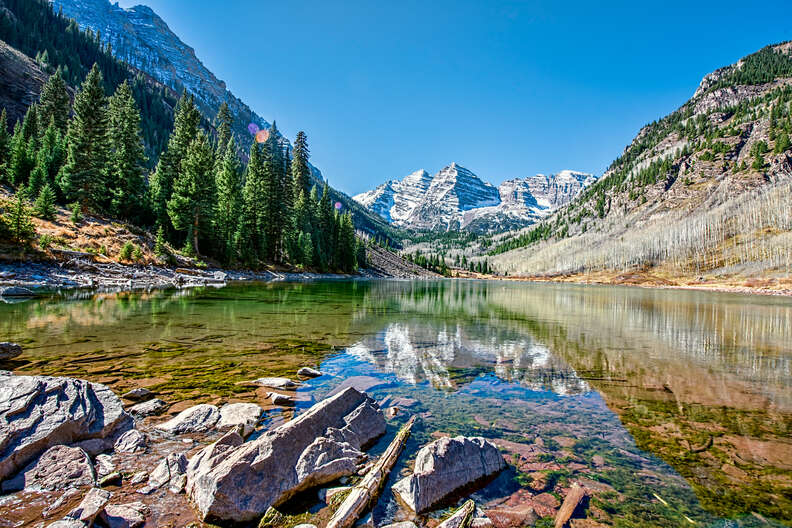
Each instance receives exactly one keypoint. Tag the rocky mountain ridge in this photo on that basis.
(141, 38)
(456, 198)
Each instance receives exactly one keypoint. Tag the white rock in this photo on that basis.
(245, 415)
(130, 515)
(280, 399)
(58, 468)
(104, 465)
(133, 441)
(92, 505)
(309, 372)
(196, 419)
(275, 383)
(168, 472)
(148, 408)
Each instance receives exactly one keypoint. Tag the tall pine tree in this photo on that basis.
(54, 102)
(126, 178)
(185, 130)
(83, 178)
(251, 233)
(227, 206)
(223, 124)
(190, 206)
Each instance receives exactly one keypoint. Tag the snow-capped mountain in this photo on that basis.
(141, 38)
(455, 198)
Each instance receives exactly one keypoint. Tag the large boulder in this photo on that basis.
(171, 471)
(445, 466)
(147, 408)
(59, 467)
(38, 412)
(133, 441)
(196, 419)
(240, 482)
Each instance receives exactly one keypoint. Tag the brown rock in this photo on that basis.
(515, 517)
(574, 497)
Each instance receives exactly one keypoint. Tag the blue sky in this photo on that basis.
(506, 89)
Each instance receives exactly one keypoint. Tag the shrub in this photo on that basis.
(126, 251)
(45, 241)
(76, 213)
(137, 254)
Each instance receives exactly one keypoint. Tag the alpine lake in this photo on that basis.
(674, 407)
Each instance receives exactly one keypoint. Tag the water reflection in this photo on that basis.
(702, 381)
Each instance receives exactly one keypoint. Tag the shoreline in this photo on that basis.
(703, 286)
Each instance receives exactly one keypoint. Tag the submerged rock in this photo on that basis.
(245, 480)
(133, 441)
(9, 350)
(280, 399)
(446, 465)
(196, 419)
(245, 415)
(148, 408)
(15, 291)
(58, 468)
(38, 412)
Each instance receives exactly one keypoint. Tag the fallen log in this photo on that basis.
(462, 518)
(367, 490)
(573, 498)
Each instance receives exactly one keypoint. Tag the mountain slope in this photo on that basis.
(455, 198)
(139, 37)
(705, 189)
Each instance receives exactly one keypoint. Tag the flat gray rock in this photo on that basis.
(59, 467)
(240, 482)
(133, 441)
(170, 471)
(15, 291)
(148, 408)
(9, 350)
(275, 383)
(280, 399)
(39, 412)
(196, 419)
(91, 506)
(131, 515)
(244, 415)
(446, 465)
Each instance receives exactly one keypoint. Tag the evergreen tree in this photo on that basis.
(5, 141)
(45, 203)
(38, 179)
(54, 103)
(51, 154)
(305, 245)
(126, 178)
(346, 243)
(84, 176)
(20, 226)
(325, 226)
(30, 124)
(276, 211)
(227, 207)
(185, 129)
(190, 206)
(301, 172)
(251, 234)
(223, 124)
(19, 163)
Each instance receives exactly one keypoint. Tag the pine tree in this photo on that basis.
(37, 181)
(159, 244)
(54, 103)
(126, 174)
(84, 176)
(251, 234)
(227, 208)
(278, 191)
(190, 206)
(51, 154)
(19, 164)
(5, 142)
(301, 172)
(325, 227)
(30, 124)
(223, 124)
(19, 224)
(44, 207)
(346, 243)
(185, 129)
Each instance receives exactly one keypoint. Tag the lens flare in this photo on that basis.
(338, 205)
(262, 136)
(253, 128)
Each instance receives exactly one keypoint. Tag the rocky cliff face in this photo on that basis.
(455, 198)
(141, 38)
(20, 82)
